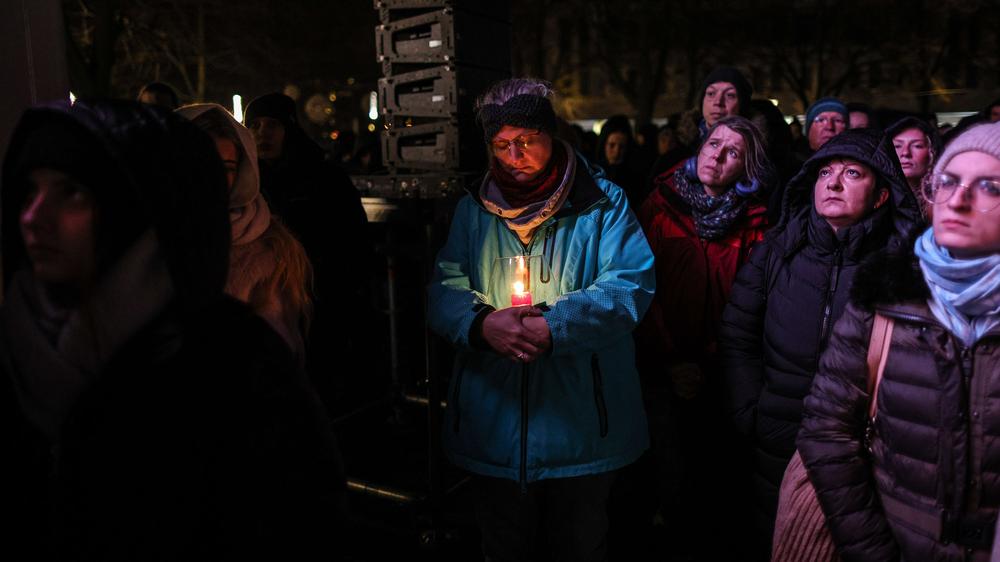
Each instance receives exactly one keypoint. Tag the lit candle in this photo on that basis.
(520, 297)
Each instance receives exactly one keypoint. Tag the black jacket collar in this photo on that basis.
(890, 277)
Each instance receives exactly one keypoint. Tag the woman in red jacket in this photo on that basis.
(701, 220)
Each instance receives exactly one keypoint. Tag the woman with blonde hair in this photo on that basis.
(268, 268)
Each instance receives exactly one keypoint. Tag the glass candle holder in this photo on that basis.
(514, 278)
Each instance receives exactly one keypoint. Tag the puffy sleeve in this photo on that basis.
(832, 445)
(741, 340)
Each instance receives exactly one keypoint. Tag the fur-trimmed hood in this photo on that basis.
(890, 277)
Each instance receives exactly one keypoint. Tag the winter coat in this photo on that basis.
(630, 172)
(189, 433)
(577, 410)
(253, 258)
(321, 207)
(786, 300)
(693, 277)
(926, 485)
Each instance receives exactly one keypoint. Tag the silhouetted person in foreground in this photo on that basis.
(145, 414)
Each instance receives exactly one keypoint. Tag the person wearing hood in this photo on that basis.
(616, 148)
(268, 269)
(916, 143)
(148, 415)
(543, 277)
(317, 201)
(848, 201)
(918, 481)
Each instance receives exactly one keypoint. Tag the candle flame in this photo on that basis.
(518, 286)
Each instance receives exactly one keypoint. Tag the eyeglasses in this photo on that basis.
(984, 193)
(522, 142)
(836, 120)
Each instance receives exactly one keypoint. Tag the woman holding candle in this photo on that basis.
(544, 404)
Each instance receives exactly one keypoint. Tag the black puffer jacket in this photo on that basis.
(935, 489)
(194, 436)
(786, 299)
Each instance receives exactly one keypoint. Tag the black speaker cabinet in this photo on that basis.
(393, 9)
(438, 91)
(439, 145)
(445, 36)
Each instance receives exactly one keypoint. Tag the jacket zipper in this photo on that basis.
(830, 294)
(602, 407)
(524, 429)
(966, 358)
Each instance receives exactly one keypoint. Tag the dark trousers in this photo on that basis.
(562, 519)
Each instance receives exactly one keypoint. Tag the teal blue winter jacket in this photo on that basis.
(578, 409)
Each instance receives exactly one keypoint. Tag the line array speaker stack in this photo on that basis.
(436, 57)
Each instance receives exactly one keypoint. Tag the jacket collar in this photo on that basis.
(890, 277)
(583, 194)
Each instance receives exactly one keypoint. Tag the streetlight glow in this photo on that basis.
(238, 107)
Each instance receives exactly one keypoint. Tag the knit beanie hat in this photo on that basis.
(728, 74)
(823, 105)
(276, 106)
(983, 138)
(527, 111)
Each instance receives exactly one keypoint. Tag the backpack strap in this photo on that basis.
(878, 352)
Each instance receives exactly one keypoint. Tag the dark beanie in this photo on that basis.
(824, 105)
(728, 74)
(523, 110)
(276, 106)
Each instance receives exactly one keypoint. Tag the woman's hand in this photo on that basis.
(518, 332)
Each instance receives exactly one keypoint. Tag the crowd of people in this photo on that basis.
(689, 319)
(655, 332)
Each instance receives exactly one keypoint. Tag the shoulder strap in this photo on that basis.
(878, 351)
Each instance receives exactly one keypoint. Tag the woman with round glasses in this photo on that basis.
(922, 480)
(544, 404)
